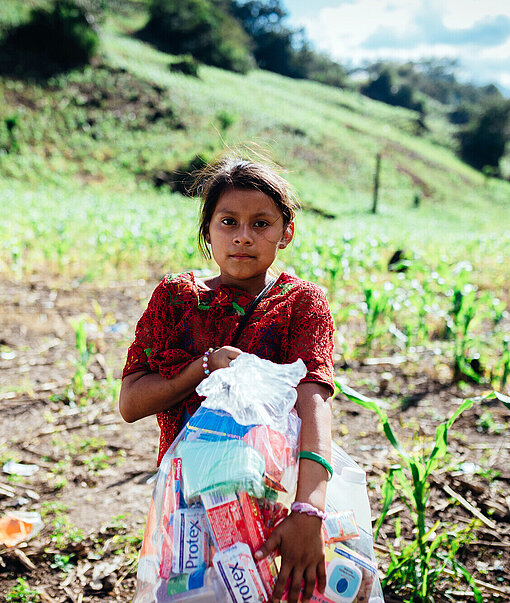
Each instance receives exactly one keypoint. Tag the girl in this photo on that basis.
(247, 216)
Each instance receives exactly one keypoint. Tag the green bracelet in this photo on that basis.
(313, 456)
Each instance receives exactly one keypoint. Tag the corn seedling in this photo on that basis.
(501, 370)
(464, 308)
(421, 563)
(22, 593)
(11, 126)
(374, 310)
(63, 530)
(85, 351)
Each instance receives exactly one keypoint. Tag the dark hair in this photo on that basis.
(233, 172)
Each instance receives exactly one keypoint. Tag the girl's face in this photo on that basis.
(245, 233)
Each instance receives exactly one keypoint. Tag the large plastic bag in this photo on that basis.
(227, 480)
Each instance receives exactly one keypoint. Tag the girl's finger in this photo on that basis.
(321, 575)
(309, 583)
(296, 584)
(270, 545)
(281, 583)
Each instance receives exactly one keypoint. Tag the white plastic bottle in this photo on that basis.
(343, 581)
(349, 491)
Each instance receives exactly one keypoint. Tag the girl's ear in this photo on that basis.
(288, 235)
(207, 238)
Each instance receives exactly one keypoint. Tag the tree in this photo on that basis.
(380, 87)
(54, 39)
(281, 49)
(383, 88)
(272, 42)
(483, 142)
(201, 28)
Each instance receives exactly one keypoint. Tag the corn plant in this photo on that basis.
(85, 351)
(11, 125)
(501, 370)
(465, 306)
(22, 593)
(421, 563)
(374, 309)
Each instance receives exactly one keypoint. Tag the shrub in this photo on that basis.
(483, 141)
(52, 40)
(201, 29)
(383, 89)
(186, 65)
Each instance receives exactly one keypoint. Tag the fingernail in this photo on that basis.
(258, 554)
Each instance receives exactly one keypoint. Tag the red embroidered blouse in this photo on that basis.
(184, 318)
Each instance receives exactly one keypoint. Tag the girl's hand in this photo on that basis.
(221, 357)
(299, 539)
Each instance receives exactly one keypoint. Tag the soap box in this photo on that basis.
(190, 541)
(237, 569)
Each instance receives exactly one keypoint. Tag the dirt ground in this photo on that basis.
(106, 463)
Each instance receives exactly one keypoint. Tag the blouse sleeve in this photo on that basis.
(155, 348)
(311, 333)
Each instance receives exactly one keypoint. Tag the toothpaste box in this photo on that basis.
(237, 569)
(257, 535)
(225, 519)
(237, 518)
(170, 504)
(167, 590)
(190, 541)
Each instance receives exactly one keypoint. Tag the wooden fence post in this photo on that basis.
(376, 182)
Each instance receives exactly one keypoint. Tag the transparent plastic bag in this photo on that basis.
(227, 480)
(254, 391)
(223, 485)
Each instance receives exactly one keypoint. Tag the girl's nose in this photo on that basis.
(243, 236)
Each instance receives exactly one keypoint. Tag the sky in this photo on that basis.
(476, 32)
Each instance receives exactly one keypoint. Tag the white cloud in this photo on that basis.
(478, 33)
(464, 13)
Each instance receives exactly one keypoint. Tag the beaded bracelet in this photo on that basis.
(313, 456)
(205, 361)
(300, 507)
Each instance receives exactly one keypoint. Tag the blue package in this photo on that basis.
(213, 426)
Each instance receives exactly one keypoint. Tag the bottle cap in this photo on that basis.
(356, 476)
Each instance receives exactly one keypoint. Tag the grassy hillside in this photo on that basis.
(92, 143)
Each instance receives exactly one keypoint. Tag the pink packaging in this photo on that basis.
(274, 447)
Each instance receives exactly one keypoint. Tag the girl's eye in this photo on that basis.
(228, 221)
(261, 223)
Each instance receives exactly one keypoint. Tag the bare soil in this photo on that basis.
(106, 463)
